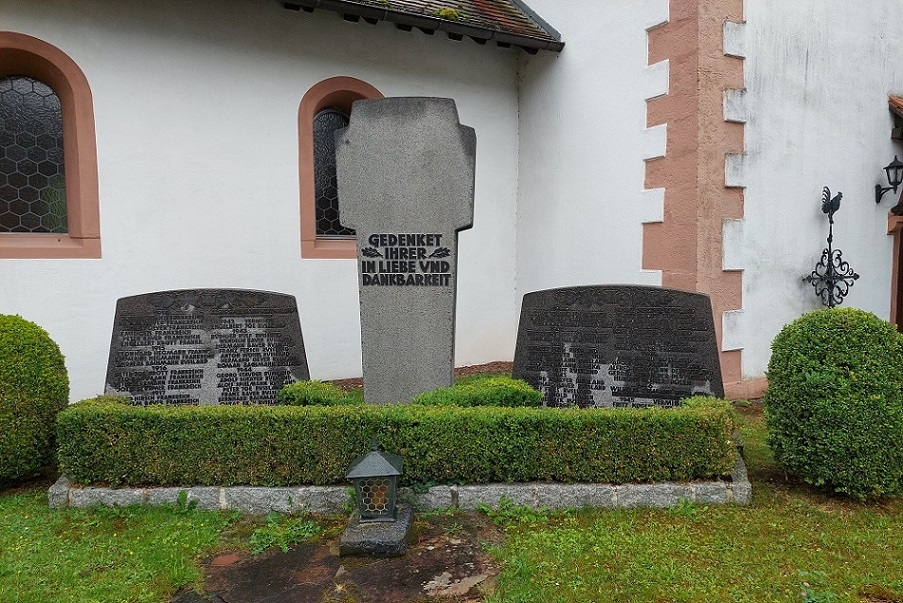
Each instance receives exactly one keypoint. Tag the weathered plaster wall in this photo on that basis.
(818, 75)
(583, 141)
(196, 117)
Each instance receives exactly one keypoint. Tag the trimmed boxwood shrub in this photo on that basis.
(312, 393)
(834, 405)
(34, 387)
(488, 391)
(116, 444)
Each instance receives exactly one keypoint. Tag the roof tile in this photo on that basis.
(507, 22)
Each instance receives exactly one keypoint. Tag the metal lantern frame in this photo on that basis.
(894, 171)
(375, 479)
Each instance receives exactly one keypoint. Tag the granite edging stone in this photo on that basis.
(334, 499)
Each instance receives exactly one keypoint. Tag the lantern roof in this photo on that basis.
(375, 463)
(896, 104)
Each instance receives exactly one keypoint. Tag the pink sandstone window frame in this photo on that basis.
(21, 54)
(339, 92)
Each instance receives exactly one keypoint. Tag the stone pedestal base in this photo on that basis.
(383, 539)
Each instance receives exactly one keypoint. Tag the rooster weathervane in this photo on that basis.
(832, 277)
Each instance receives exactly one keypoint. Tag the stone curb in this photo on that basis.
(333, 499)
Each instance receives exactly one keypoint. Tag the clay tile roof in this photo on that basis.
(505, 22)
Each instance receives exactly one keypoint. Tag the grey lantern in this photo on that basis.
(375, 479)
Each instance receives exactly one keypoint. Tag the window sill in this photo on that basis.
(336, 249)
(47, 246)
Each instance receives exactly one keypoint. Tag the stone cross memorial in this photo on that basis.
(617, 346)
(205, 346)
(405, 171)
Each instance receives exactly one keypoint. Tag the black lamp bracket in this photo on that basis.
(879, 191)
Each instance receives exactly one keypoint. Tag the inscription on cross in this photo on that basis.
(405, 178)
(405, 260)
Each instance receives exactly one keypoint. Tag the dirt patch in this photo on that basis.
(226, 560)
(446, 561)
(754, 409)
(16, 487)
(491, 368)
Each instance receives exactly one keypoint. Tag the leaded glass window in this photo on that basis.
(32, 174)
(326, 122)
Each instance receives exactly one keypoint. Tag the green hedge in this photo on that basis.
(486, 391)
(313, 393)
(834, 405)
(34, 387)
(104, 442)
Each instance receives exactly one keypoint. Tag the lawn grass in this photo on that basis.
(789, 535)
(139, 554)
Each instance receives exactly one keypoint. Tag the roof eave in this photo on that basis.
(431, 25)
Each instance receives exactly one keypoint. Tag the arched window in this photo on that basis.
(32, 162)
(326, 122)
(48, 160)
(324, 109)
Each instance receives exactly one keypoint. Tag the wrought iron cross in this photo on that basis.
(833, 276)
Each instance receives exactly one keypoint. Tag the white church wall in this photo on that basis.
(583, 142)
(196, 118)
(817, 76)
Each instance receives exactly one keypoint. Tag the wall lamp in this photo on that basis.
(894, 172)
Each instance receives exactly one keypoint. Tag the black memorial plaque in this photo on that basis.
(205, 346)
(622, 346)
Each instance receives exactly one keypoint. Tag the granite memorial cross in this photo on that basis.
(405, 171)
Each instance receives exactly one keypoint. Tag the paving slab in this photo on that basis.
(382, 538)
